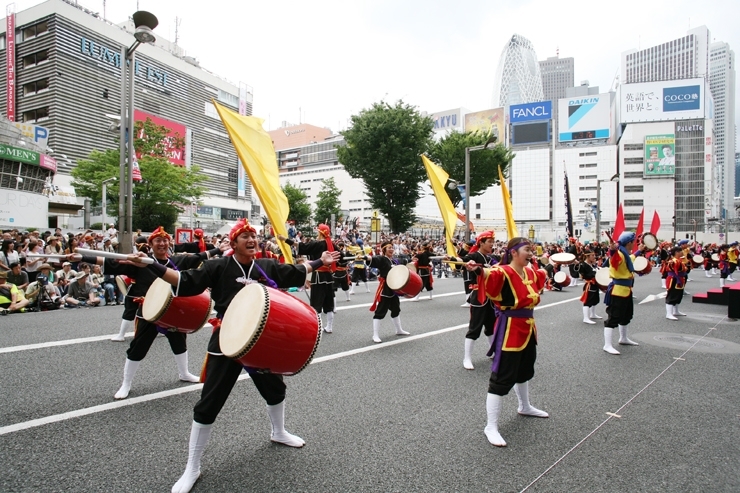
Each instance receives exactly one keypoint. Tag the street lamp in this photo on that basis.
(491, 140)
(144, 22)
(104, 201)
(614, 178)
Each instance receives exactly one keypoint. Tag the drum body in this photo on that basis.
(268, 330)
(562, 279)
(650, 241)
(642, 266)
(404, 282)
(180, 313)
(697, 260)
(543, 260)
(563, 258)
(124, 283)
(603, 278)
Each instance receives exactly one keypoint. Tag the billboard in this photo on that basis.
(447, 120)
(660, 155)
(174, 150)
(662, 101)
(583, 118)
(530, 112)
(23, 210)
(487, 121)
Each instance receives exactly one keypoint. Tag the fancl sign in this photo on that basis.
(113, 57)
(528, 112)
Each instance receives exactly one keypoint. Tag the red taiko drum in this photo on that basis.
(404, 282)
(562, 279)
(181, 313)
(124, 283)
(268, 330)
(642, 266)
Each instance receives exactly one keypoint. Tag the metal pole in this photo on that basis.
(122, 161)
(131, 157)
(467, 194)
(598, 211)
(105, 194)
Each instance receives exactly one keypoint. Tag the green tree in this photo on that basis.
(449, 153)
(382, 149)
(300, 210)
(157, 198)
(328, 202)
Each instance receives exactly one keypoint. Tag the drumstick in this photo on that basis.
(45, 255)
(460, 262)
(117, 256)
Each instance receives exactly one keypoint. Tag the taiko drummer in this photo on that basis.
(145, 332)
(226, 276)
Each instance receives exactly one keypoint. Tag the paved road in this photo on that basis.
(401, 416)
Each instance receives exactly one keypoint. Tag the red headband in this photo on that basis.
(159, 233)
(324, 230)
(485, 235)
(240, 227)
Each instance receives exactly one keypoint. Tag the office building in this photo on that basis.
(518, 78)
(558, 74)
(722, 87)
(67, 67)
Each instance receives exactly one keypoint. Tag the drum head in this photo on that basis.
(650, 241)
(157, 300)
(640, 264)
(123, 283)
(560, 277)
(698, 259)
(398, 277)
(603, 278)
(244, 320)
(715, 257)
(563, 258)
(544, 260)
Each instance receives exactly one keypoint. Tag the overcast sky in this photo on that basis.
(320, 62)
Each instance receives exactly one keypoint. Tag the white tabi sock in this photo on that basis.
(329, 323)
(278, 434)
(199, 436)
(676, 312)
(608, 341)
(129, 370)
(467, 359)
(399, 330)
(494, 405)
(623, 339)
(376, 330)
(490, 343)
(593, 313)
(126, 326)
(347, 293)
(586, 313)
(525, 408)
(182, 368)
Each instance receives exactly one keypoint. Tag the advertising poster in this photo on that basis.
(486, 122)
(660, 155)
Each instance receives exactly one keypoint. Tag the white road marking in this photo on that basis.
(25, 425)
(654, 297)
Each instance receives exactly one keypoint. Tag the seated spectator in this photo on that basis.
(11, 298)
(64, 277)
(96, 279)
(81, 293)
(42, 295)
(113, 294)
(47, 277)
(17, 276)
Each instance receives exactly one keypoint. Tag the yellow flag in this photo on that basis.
(257, 154)
(438, 178)
(511, 229)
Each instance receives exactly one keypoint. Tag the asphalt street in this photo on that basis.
(400, 416)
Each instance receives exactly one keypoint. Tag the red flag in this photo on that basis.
(655, 225)
(618, 224)
(640, 225)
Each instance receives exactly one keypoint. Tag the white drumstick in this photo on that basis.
(117, 256)
(45, 255)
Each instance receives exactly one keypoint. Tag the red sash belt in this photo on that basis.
(376, 300)
(586, 289)
(324, 268)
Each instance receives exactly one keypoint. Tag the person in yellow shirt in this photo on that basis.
(359, 269)
(732, 255)
(618, 297)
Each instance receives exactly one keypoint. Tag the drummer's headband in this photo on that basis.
(518, 246)
(159, 233)
(485, 235)
(241, 226)
(324, 230)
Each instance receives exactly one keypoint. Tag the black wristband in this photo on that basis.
(315, 264)
(89, 259)
(159, 269)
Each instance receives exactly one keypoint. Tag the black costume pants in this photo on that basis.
(620, 311)
(144, 335)
(481, 318)
(322, 297)
(385, 303)
(515, 367)
(221, 375)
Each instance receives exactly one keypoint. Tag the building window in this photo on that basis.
(584, 154)
(587, 165)
(232, 176)
(35, 30)
(36, 87)
(633, 160)
(633, 174)
(633, 147)
(37, 115)
(36, 58)
(630, 217)
(633, 188)
(633, 203)
(210, 111)
(477, 216)
(477, 206)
